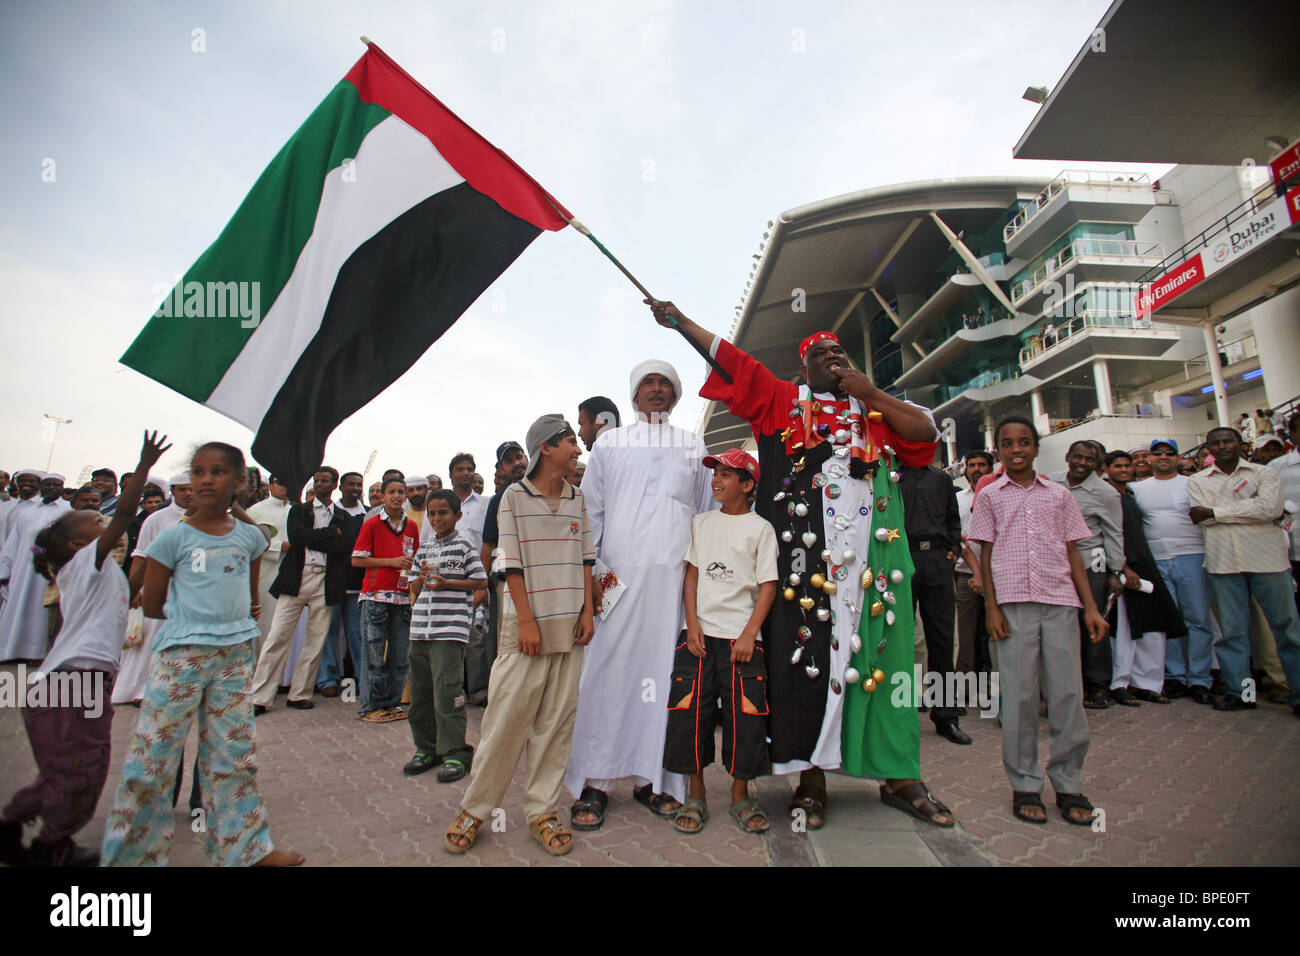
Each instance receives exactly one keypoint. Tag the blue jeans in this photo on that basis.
(346, 619)
(1273, 593)
(1189, 660)
(386, 633)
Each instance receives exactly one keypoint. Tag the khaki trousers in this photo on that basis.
(311, 595)
(534, 703)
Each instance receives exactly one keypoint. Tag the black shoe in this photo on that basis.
(421, 763)
(952, 732)
(11, 844)
(1201, 695)
(1175, 689)
(1230, 702)
(299, 704)
(258, 710)
(452, 771)
(63, 853)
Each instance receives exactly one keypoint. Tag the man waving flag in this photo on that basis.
(374, 228)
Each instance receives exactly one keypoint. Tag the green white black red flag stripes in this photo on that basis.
(372, 231)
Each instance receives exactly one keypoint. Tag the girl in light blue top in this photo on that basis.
(201, 664)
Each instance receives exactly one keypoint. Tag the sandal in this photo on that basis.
(463, 826)
(452, 771)
(545, 830)
(396, 713)
(591, 801)
(696, 812)
(1096, 701)
(743, 811)
(656, 801)
(812, 801)
(1075, 801)
(1124, 697)
(1150, 696)
(1023, 798)
(918, 801)
(377, 717)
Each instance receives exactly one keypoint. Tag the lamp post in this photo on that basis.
(55, 437)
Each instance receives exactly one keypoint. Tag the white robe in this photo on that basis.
(24, 622)
(642, 486)
(133, 669)
(274, 514)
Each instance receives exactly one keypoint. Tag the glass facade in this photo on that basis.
(887, 357)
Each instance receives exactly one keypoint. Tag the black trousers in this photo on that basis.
(932, 592)
(1095, 658)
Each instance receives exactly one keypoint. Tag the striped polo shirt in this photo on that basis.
(549, 547)
(445, 615)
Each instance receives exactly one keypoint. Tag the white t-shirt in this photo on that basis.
(1164, 504)
(156, 524)
(965, 502)
(473, 512)
(734, 555)
(94, 604)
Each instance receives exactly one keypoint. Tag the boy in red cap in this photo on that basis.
(719, 672)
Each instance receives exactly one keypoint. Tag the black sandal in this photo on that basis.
(918, 801)
(654, 802)
(1070, 801)
(1124, 697)
(812, 801)
(1150, 696)
(592, 801)
(1096, 701)
(1023, 798)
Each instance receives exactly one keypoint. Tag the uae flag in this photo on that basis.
(376, 226)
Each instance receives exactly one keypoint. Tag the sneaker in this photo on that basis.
(421, 763)
(452, 771)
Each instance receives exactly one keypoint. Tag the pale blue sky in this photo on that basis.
(673, 130)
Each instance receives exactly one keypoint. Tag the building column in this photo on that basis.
(1038, 414)
(988, 431)
(1216, 370)
(1277, 336)
(1101, 382)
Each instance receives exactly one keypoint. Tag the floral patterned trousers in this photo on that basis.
(212, 683)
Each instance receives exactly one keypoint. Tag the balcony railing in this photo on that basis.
(984, 379)
(971, 320)
(1262, 197)
(1080, 177)
(1046, 340)
(1092, 248)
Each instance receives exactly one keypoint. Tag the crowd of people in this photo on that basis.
(612, 615)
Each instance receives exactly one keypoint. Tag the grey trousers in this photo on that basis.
(1043, 646)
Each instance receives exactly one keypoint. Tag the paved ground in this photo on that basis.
(1179, 785)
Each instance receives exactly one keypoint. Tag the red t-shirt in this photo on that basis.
(763, 400)
(377, 539)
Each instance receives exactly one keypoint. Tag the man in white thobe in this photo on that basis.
(24, 622)
(644, 482)
(133, 671)
(28, 481)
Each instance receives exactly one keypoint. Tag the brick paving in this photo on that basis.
(1179, 784)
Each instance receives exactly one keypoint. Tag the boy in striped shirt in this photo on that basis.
(444, 576)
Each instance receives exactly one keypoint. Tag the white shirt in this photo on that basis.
(966, 501)
(322, 514)
(1289, 467)
(734, 554)
(94, 605)
(1164, 505)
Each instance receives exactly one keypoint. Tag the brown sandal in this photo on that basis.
(918, 801)
(548, 828)
(463, 826)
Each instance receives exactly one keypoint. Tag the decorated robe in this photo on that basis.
(826, 641)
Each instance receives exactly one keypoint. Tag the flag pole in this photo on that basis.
(704, 353)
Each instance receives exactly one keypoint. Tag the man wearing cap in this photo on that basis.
(840, 637)
(133, 671)
(417, 492)
(24, 621)
(644, 483)
(1267, 449)
(512, 462)
(28, 481)
(1178, 545)
(105, 482)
